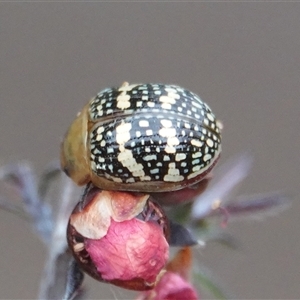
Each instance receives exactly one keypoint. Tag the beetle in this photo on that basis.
(142, 137)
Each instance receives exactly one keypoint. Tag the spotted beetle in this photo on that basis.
(142, 137)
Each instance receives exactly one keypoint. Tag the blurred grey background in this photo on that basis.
(241, 58)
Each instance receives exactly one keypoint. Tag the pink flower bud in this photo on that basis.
(171, 286)
(130, 249)
(119, 237)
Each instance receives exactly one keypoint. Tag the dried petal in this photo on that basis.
(125, 206)
(93, 220)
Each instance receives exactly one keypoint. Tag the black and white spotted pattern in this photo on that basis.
(151, 132)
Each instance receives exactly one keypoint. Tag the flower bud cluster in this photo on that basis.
(123, 238)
